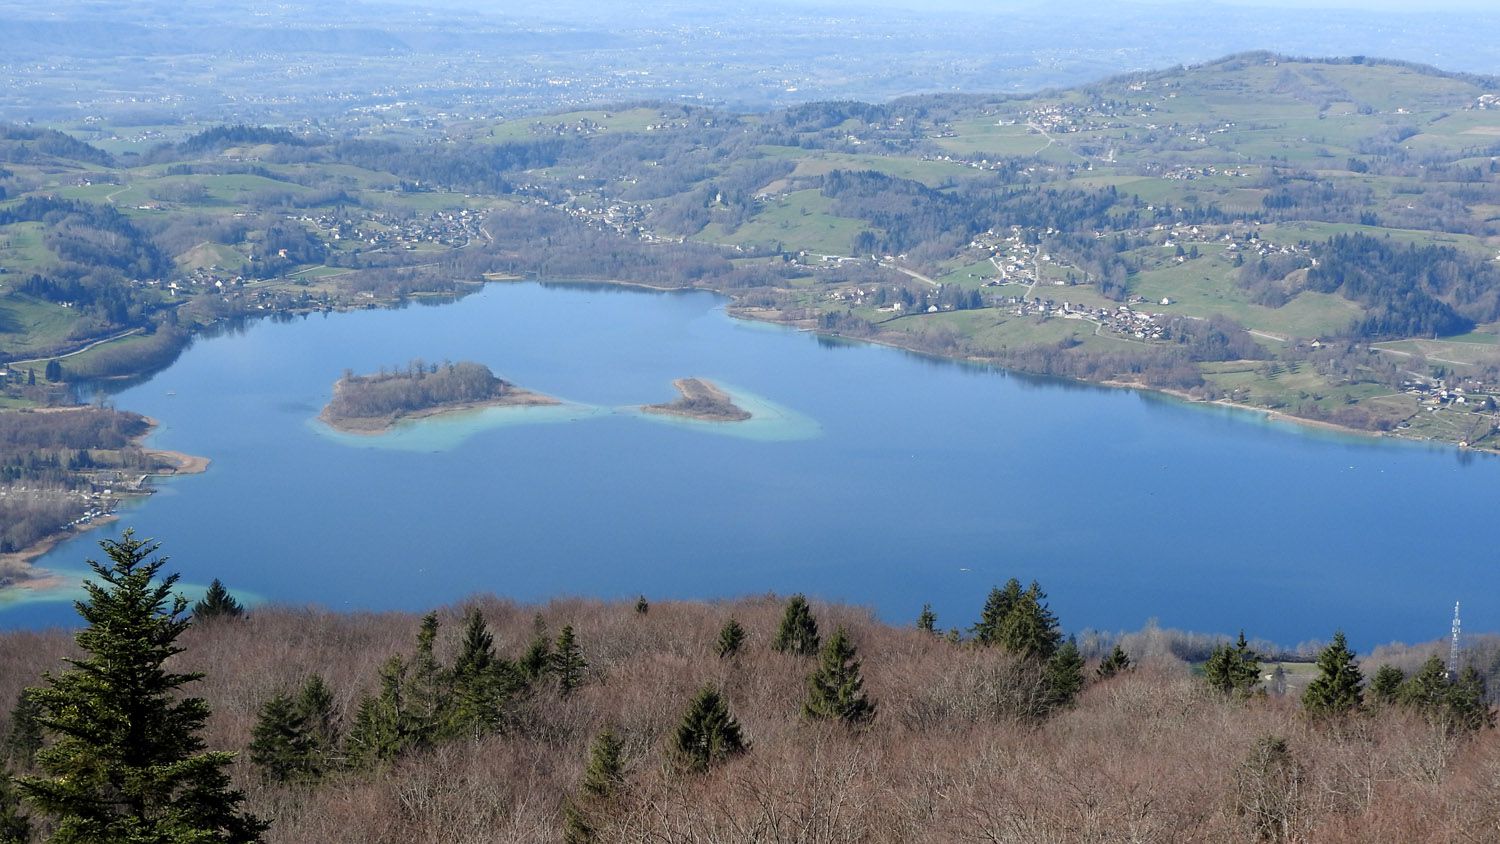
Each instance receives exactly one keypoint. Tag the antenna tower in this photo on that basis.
(1453, 645)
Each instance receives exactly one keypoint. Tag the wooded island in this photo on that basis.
(371, 404)
(701, 400)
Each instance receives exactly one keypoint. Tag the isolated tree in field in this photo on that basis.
(217, 603)
(568, 663)
(927, 620)
(798, 633)
(1030, 629)
(708, 734)
(996, 608)
(836, 689)
(731, 639)
(24, 738)
(1118, 662)
(126, 763)
(1336, 691)
(1385, 686)
(1233, 669)
(602, 780)
(1064, 676)
(280, 745)
(53, 371)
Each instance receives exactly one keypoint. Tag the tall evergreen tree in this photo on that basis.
(568, 663)
(1425, 690)
(1064, 676)
(280, 745)
(481, 680)
(217, 603)
(1385, 687)
(382, 728)
(1457, 705)
(315, 708)
(1030, 629)
(836, 689)
(14, 826)
(1118, 662)
(602, 780)
(1233, 669)
(731, 639)
(1468, 705)
(996, 608)
(798, 633)
(1336, 691)
(126, 763)
(927, 620)
(427, 698)
(24, 738)
(708, 734)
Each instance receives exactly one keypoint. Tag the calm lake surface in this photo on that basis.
(871, 475)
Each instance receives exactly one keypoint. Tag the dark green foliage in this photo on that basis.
(538, 657)
(315, 708)
(1456, 705)
(928, 619)
(798, 633)
(126, 763)
(427, 694)
(24, 738)
(1064, 677)
(280, 745)
(996, 607)
(1386, 685)
(217, 603)
(1233, 669)
(731, 638)
(382, 726)
(601, 784)
(14, 827)
(53, 371)
(1030, 629)
(1337, 689)
(836, 689)
(708, 734)
(1117, 662)
(482, 682)
(567, 662)
(641, 606)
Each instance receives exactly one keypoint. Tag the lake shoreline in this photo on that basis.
(18, 568)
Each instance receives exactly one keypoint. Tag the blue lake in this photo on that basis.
(870, 475)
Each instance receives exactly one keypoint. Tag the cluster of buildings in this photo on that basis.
(451, 228)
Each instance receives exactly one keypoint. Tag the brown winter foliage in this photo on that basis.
(953, 755)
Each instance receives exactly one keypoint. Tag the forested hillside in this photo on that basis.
(768, 720)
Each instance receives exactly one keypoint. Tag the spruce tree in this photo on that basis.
(382, 728)
(280, 745)
(708, 734)
(426, 696)
(567, 662)
(1385, 686)
(1425, 690)
(1336, 691)
(601, 784)
(14, 826)
(481, 680)
(731, 638)
(24, 738)
(1468, 706)
(126, 762)
(1118, 662)
(1233, 669)
(217, 603)
(996, 607)
(315, 708)
(798, 633)
(836, 689)
(927, 620)
(1064, 676)
(1030, 629)
(641, 605)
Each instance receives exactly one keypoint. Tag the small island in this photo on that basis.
(371, 404)
(702, 400)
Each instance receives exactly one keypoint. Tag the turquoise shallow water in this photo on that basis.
(868, 475)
